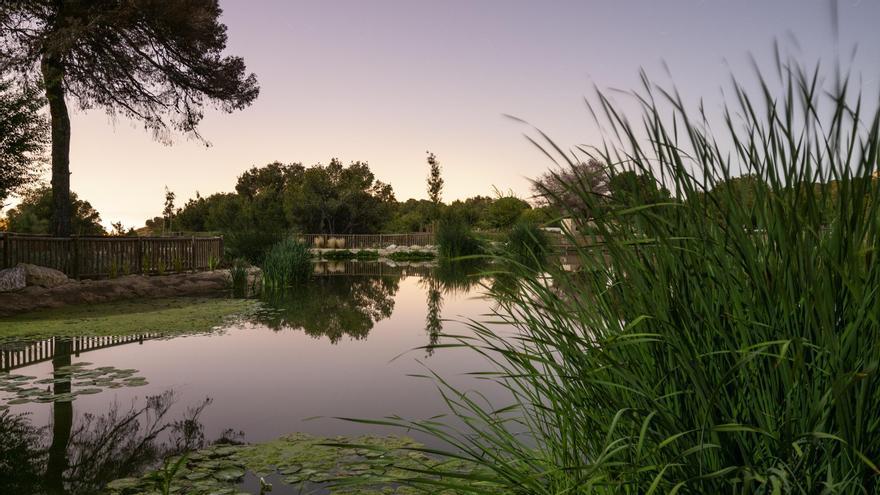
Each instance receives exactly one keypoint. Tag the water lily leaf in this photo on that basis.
(291, 469)
(229, 474)
(89, 391)
(124, 484)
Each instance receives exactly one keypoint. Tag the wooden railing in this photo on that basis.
(19, 355)
(367, 241)
(87, 257)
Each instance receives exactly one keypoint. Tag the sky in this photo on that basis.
(383, 81)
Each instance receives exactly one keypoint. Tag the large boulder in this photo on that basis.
(42, 276)
(13, 279)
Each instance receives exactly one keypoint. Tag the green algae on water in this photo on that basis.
(177, 315)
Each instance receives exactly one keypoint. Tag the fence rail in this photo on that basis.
(18, 356)
(367, 241)
(88, 257)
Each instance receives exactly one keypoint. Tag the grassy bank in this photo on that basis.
(171, 315)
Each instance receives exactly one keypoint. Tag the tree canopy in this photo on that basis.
(34, 215)
(336, 199)
(154, 61)
(23, 137)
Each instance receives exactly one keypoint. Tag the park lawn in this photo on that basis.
(168, 316)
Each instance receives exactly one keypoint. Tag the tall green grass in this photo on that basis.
(528, 245)
(455, 239)
(238, 277)
(286, 263)
(726, 340)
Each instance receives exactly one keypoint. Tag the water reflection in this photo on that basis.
(335, 307)
(74, 457)
(82, 454)
(332, 307)
(80, 444)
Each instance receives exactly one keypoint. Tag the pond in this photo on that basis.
(90, 410)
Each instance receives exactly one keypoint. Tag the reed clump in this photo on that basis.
(286, 263)
(455, 239)
(725, 339)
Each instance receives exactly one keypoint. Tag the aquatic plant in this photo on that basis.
(286, 263)
(338, 254)
(86, 381)
(367, 255)
(238, 277)
(213, 262)
(412, 256)
(723, 340)
(366, 465)
(113, 272)
(455, 239)
(178, 264)
(528, 245)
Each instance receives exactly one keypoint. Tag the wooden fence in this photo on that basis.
(367, 241)
(93, 257)
(17, 356)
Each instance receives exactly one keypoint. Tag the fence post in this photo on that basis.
(7, 250)
(75, 268)
(140, 256)
(192, 254)
(221, 253)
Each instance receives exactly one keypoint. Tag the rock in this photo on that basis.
(42, 276)
(392, 247)
(13, 279)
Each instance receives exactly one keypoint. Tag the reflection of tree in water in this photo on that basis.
(449, 277)
(22, 456)
(99, 449)
(333, 306)
(434, 318)
(69, 458)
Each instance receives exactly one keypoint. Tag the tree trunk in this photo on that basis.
(53, 78)
(62, 423)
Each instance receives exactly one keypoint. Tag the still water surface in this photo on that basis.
(344, 346)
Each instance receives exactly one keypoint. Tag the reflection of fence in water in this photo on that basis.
(44, 350)
(370, 269)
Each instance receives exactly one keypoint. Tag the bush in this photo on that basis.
(714, 345)
(455, 239)
(412, 256)
(250, 245)
(367, 255)
(238, 277)
(527, 245)
(286, 263)
(338, 255)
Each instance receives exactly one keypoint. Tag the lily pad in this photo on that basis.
(229, 474)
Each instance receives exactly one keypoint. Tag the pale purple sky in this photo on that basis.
(384, 81)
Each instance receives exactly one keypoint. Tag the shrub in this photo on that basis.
(455, 239)
(367, 255)
(338, 255)
(527, 245)
(286, 263)
(412, 256)
(238, 277)
(715, 345)
(251, 245)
